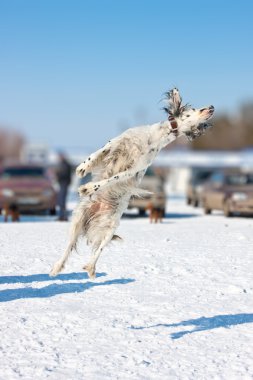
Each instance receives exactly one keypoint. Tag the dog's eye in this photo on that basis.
(188, 115)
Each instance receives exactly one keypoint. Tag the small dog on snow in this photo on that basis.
(156, 208)
(12, 211)
(117, 170)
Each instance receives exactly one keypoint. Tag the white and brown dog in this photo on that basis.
(117, 170)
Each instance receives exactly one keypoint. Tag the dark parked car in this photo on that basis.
(28, 187)
(231, 192)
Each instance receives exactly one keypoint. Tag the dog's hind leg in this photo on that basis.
(91, 266)
(59, 265)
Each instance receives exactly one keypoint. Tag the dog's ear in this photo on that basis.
(174, 102)
(176, 99)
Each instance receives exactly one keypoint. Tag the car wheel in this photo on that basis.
(195, 203)
(52, 211)
(226, 209)
(142, 212)
(207, 210)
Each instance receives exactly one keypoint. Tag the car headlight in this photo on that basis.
(239, 196)
(48, 192)
(199, 188)
(8, 193)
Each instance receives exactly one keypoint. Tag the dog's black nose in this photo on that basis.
(211, 108)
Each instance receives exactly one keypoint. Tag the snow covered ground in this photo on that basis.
(173, 301)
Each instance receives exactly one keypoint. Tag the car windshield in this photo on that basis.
(240, 179)
(200, 177)
(23, 172)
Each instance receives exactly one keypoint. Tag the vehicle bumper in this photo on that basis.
(139, 203)
(244, 207)
(30, 203)
(143, 203)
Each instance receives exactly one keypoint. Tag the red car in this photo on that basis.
(28, 187)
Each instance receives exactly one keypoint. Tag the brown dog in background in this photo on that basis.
(12, 211)
(156, 208)
(155, 213)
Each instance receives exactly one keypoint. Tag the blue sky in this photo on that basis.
(76, 73)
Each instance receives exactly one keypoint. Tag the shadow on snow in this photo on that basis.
(204, 324)
(168, 215)
(180, 215)
(54, 289)
(45, 277)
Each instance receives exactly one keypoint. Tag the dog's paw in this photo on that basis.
(88, 189)
(91, 270)
(82, 169)
(85, 190)
(58, 266)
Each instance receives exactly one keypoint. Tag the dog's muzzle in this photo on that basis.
(197, 131)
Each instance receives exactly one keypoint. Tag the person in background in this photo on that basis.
(1, 164)
(63, 175)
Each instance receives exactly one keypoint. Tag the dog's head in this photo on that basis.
(190, 121)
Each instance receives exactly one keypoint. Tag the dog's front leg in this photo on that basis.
(87, 166)
(92, 187)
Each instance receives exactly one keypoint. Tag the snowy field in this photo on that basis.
(173, 301)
